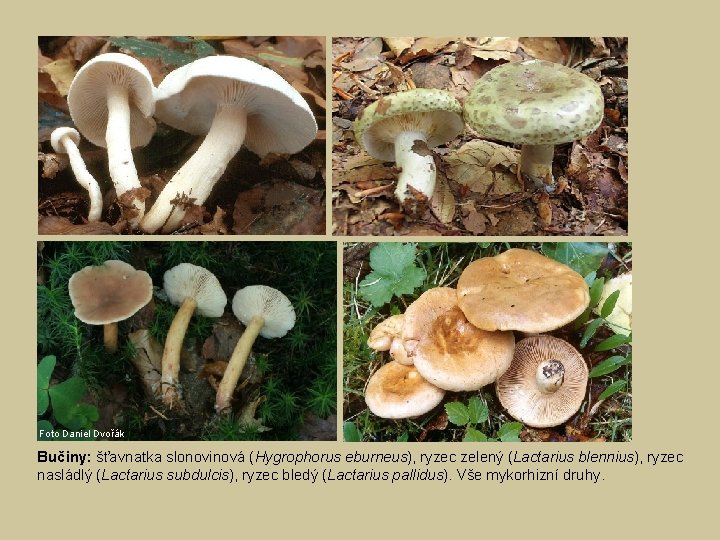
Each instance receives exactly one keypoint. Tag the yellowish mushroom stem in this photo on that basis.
(110, 337)
(171, 353)
(236, 364)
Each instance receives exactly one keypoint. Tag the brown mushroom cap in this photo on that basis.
(447, 350)
(397, 391)
(398, 352)
(521, 290)
(546, 382)
(111, 292)
(381, 337)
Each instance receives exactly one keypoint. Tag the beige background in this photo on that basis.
(672, 206)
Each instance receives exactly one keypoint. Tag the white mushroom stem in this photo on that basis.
(171, 354)
(237, 363)
(549, 376)
(83, 176)
(110, 337)
(418, 169)
(196, 178)
(536, 164)
(117, 139)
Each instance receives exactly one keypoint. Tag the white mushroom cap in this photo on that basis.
(279, 120)
(435, 113)
(109, 293)
(268, 303)
(534, 102)
(546, 382)
(87, 97)
(190, 281)
(398, 391)
(57, 135)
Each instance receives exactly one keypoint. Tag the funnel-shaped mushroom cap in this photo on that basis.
(397, 391)
(546, 382)
(189, 281)
(436, 113)
(278, 118)
(268, 303)
(447, 350)
(521, 290)
(109, 293)
(381, 337)
(87, 97)
(534, 102)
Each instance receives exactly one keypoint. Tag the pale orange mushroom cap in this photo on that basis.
(451, 353)
(546, 382)
(381, 337)
(521, 290)
(398, 391)
(111, 292)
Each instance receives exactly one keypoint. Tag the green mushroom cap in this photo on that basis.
(436, 113)
(534, 102)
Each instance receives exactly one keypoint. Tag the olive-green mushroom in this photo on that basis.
(537, 104)
(403, 127)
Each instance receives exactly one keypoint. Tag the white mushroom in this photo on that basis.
(234, 101)
(264, 311)
(65, 140)
(111, 103)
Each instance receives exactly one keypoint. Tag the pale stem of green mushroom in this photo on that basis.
(117, 138)
(418, 169)
(536, 164)
(196, 178)
(236, 364)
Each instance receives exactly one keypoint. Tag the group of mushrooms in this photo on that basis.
(463, 339)
(232, 101)
(535, 103)
(114, 291)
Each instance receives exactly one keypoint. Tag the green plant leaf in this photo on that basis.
(44, 372)
(477, 410)
(351, 432)
(510, 432)
(595, 292)
(151, 49)
(612, 342)
(583, 257)
(590, 331)
(614, 388)
(590, 278)
(609, 304)
(46, 427)
(473, 435)
(394, 273)
(608, 366)
(404, 436)
(457, 413)
(67, 408)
